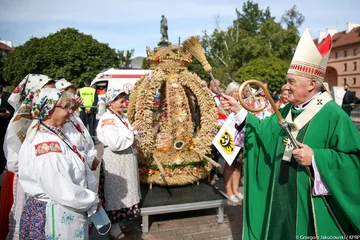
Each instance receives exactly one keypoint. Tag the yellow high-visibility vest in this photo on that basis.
(88, 96)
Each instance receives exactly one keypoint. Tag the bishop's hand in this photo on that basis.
(303, 155)
(230, 103)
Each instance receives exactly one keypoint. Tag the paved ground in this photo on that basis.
(191, 225)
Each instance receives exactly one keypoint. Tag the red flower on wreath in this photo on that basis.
(157, 58)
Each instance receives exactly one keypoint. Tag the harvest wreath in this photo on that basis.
(173, 146)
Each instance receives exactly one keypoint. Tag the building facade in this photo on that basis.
(6, 47)
(344, 62)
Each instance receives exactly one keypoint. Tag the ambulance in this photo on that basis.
(117, 79)
(112, 78)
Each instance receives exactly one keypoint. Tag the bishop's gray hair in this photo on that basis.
(319, 87)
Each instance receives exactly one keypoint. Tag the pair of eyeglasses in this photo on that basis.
(66, 108)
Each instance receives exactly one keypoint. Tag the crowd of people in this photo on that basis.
(299, 189)
(291, 189)
(296, 189)
(49, 189)
(232, 173)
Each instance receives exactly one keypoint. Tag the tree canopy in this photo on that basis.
(253, 35)
(253, 38)
(271, 69)
(66, 53)
(292, 18)
(1, 67)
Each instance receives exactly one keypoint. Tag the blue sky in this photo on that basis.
(135, 24)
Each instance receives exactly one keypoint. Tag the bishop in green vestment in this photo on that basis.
(279, 198)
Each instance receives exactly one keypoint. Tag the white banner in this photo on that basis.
(224, 140)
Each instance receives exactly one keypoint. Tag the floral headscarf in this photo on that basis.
(110, 96)
(21, 100)
(46, 102)
(26, 89)
(43, 105)
(63, 84)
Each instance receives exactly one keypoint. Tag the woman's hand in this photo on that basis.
(6, 114)
(95, 164)
(77, 101)
(136, 125)
(98, 206)
(135, 143)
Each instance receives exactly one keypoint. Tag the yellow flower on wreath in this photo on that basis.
(178, 100)
(181, 115)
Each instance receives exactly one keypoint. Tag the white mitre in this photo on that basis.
(310, 61)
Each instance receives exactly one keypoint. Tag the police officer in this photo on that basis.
(87, 112)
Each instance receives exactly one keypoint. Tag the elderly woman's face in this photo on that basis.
(118, 104)
(62, 112)
(246, 92)
(70, 89)
(235, 94)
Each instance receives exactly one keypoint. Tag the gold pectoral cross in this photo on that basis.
(285, 140)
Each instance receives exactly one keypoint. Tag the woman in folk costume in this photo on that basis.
(76, 130)
(283, 100)
(121, 188)
(54, 174)
(268, 110)
(281, 200)
(12, 195)
(21, 99)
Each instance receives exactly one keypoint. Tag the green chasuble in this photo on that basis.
(278, 201)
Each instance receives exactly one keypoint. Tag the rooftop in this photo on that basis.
(342, 39)
(6, 47)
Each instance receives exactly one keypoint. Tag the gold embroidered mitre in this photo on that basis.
(310, 61)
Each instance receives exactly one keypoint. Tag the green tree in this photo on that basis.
(277, 41)
(125, 58)
(271, 69)
(253, 35)
(145, 64)
(219, 49)
(252, 17)
(66, 53)
(229, 49)
(1, 69)
(292, 18)
(196, 67)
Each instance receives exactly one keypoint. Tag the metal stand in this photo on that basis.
(163, 200)
(146, 212)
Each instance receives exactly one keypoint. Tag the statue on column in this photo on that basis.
(164, 32)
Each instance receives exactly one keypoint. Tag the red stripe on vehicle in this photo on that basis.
(121, 76)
